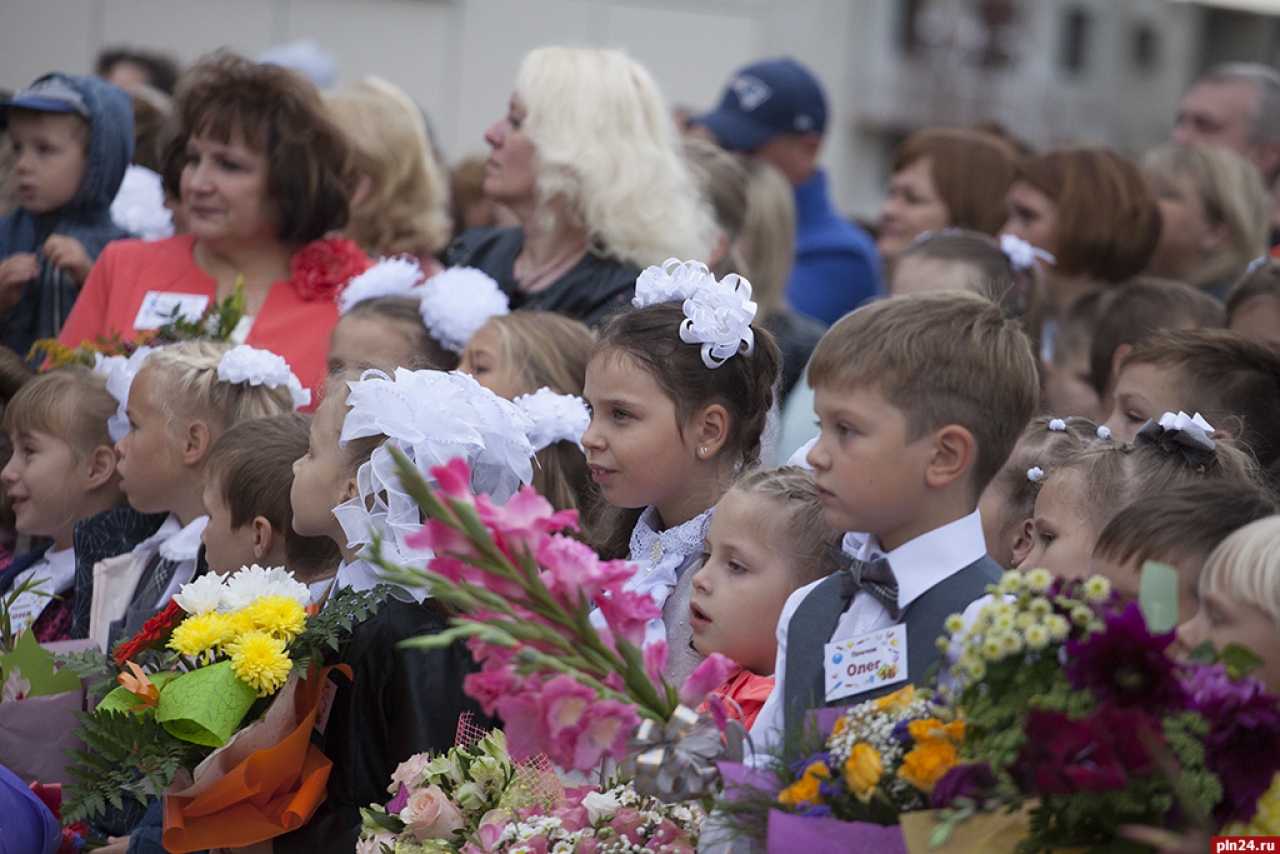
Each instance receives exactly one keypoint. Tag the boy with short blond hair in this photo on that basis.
(920, 400)
(72, 139)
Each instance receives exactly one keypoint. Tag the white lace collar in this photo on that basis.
(649, 547)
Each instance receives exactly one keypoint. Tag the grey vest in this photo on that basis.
(816, 619)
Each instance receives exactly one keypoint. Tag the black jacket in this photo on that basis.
(593, 288)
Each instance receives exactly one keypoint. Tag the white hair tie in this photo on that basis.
(456, 302)
(1104, 432)
(1035, 474)
(245, 364)
(433, 417)
(1021, 254)
(1057, 425)
(555, 417)
(390, 277)
(718, 314)
(120, 371)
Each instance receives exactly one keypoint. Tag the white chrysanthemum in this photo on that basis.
(1058, 627)
(202, 595)
(992, 648)
(944, 645)
(254, 582)
(1081, 616)
(1037, 636)
(389, 277)
(1024, 619)
(954, 624)
(1003, 622)
(1039, 580)
(1011, 642)
(1040, 606)
(456, 302)
(1011, 582)
(1097, 588)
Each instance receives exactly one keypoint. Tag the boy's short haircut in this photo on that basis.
(1261, 282)
(1186, 522)
(81, 127)
(71, 403)
(1246, 566)
(1229, 378)
(251, 464)
(1142, 307)
(941, 358)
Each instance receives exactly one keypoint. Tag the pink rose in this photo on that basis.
(430, 815)
(409, 772)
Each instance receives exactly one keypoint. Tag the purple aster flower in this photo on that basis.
(901, 733)
(975, 782)
(1127, 664)
(820, 811)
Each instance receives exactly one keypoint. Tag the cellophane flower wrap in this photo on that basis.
(525, 587)
(204, 668)
(1073, 702)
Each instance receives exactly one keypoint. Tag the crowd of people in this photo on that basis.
(1065, 359)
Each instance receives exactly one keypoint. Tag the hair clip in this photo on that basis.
(120, 371)
(555, 417)
(1058, 425)
(1035, 474)
(1260, 261)
(1184, 434)
(245, 364)
(456, 302)
(1104, 432)
(1021, 254)
(390, 277)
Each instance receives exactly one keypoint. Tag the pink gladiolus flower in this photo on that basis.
(440, 538)
(454, 479)
(431, 815)
(706, 677)
(524, 521)
(523, 715)
(606, 726)
(655, 660)
(627, 613)
(565, 701)
(488, 687)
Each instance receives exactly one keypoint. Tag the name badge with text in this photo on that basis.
(160, 307)
(865, 662)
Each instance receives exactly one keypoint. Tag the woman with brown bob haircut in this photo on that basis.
(261, 172)
(1093, 210)
(945, 178)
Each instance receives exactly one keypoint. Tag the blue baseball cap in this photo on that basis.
(52, 93)
(765, 99)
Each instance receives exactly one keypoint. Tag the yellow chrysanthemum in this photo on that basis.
(992, 648)
(863, 769)
(200, 633)
(1039, 580)
(954, 624)
(924, 766)
(1081, 615)
(1040, 607)
(240, 622)
(977, 670)
(1010, 582)
(277, 615)
(259, 660)
(1057, 626)
(1011, 642)
(898, 700)
(943, 644)
(1097, 588)
(805, 790)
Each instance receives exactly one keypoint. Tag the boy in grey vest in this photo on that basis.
(920, 400)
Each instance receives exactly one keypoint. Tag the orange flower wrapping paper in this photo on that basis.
(266, 781)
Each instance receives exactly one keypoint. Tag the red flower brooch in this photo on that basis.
(321, 268)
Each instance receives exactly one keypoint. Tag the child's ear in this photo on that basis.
(196, 442)
(954, 450)
(351, 489)
(263, 536)
(100, 467)
(710, 431)
(1023, 540)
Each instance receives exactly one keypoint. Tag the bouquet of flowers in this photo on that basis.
(617, 820)
(439, 801)
(214, 707)
(38, 699)
(1074, 703)
(563, 687)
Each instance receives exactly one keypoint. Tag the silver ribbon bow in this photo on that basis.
(677, 761)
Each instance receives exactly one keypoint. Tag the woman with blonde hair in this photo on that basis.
(1213, 215)
(400, 203)
(588, 159)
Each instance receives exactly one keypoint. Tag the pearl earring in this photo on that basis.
(702, 452)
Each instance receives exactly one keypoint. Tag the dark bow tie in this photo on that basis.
(874, 576)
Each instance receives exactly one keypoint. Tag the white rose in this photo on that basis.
(601, 805)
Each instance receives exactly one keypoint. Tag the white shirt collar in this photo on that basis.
(167, 529)
(683, 540)
(185, 544)
(927, 560)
